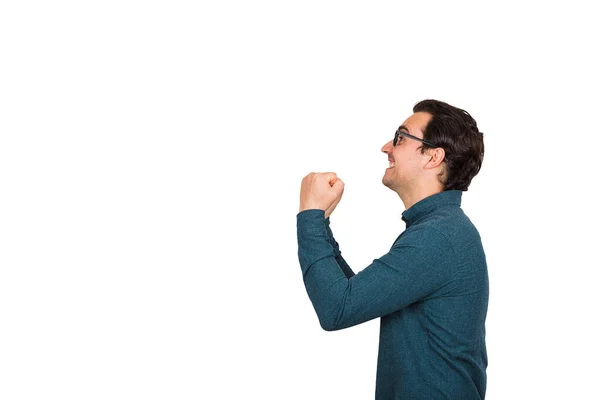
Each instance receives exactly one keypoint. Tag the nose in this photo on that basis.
(387, 148)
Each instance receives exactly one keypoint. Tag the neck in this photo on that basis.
(418, 194)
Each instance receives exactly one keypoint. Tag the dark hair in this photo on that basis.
(454, 130)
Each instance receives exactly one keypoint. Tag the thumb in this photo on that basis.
(330, 176)
(338, 184)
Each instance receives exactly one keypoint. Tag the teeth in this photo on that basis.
(392, 164)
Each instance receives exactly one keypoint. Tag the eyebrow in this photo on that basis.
(406, 128)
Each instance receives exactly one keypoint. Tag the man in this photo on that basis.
(431, 289)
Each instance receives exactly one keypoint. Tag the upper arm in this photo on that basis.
(416, 266)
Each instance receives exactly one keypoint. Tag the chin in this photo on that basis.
(387, 182)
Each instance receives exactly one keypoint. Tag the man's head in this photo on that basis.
(449, 160)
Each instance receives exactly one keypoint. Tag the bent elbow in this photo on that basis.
(328, 324)
(328, 327)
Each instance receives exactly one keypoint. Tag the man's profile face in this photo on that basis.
(405, 169)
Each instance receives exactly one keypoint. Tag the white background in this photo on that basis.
(151, 156)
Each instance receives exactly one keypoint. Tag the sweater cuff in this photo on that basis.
(313, 240)
(311, 222)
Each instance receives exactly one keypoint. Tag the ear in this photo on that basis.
(436, 157)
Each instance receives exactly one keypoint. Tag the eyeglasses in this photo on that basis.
(399, 132)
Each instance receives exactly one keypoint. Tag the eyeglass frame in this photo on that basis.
(399, 132)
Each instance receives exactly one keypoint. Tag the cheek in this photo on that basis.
(410, 163)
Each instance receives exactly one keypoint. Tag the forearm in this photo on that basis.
(338, 254)
(323, 277)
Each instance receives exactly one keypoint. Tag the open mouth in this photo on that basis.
(392, 164)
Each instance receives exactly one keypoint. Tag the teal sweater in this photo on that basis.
(430, 290)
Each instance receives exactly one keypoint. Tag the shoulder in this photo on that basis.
(453, 224)
(427, 236)
(447, 229)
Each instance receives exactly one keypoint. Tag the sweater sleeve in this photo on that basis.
(416, 266)
(336, 251)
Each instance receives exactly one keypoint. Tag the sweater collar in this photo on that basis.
(428, 204)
